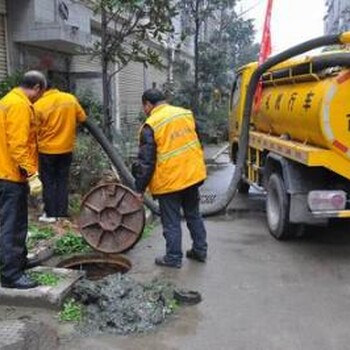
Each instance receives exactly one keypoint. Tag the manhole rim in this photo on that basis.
(73, 260)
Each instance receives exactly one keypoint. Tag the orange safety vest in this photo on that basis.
(180, 161)
(18, 147)
(58, 114)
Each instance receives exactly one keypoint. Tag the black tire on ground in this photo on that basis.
(243, 187)
(277, 209)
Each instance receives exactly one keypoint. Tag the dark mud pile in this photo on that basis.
(118, 304)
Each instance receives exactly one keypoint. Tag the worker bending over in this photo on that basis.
(18, 168)
(59, 114)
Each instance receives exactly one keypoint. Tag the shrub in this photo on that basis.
(89, 159)
(10, 82)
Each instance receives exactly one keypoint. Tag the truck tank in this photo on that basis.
(308, 100)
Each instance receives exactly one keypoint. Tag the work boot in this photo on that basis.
(162, 261)
(32, 262)
(23, 282)
(192, 254)
(47, 219)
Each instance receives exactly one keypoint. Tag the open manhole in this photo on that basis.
(97, 266)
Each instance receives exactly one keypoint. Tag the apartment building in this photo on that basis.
(53, 35)
(337, 18)
(3, 41)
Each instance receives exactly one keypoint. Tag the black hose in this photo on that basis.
(219, 206)
(118, 162)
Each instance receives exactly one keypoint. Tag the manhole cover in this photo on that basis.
(112, 218)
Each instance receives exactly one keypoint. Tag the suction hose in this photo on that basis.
(117, 161)
(221, 205)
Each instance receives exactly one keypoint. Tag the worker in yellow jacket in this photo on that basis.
(171, 164)
(59, 114)
(18, 168)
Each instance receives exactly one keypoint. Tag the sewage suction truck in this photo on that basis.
(299, 140)
(295, 145)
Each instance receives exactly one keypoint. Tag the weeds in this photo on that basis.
(172, 305)
(147, 231)
(45, 278)
(38, 234)
(71, 311)
(71, 243)
(74, 204)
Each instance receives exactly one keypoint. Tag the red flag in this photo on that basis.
(265, 48)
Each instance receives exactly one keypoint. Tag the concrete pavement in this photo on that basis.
(257, 293)
(51, 297)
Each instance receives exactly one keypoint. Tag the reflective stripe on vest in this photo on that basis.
(167, 155)
(169, 119)
(180, 160)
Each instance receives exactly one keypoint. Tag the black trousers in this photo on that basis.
(170, 205)
(13, 229)
(54, 174)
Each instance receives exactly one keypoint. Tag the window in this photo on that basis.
(236, 88)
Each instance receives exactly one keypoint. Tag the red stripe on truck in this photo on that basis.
(340, 146)
(343, 77)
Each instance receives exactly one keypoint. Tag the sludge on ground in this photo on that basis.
(120, 305)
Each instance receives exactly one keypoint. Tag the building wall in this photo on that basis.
(155, 78)
(86, 74)
(131, 81)
(81, 71)
(337, 18)
(3, 41)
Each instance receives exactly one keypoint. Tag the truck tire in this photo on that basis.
(277, 208)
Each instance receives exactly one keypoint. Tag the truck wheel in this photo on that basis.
(277, 208)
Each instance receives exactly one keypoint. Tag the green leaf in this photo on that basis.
(71, 243)
(45, 278)
(71, 311)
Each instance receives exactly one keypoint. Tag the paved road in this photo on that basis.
(257, 293)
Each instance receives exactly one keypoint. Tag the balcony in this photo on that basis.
(54, 24)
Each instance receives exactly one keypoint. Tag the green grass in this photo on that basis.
(45, 278)
(147, 231)
(74, 204)
(38, 234)
(172, 305)
(71, 243)
(71, 311)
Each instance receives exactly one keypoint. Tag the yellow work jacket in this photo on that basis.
(18, 148)
(58, 114)
(180, 160)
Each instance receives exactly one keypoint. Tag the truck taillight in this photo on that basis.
(326, 200)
